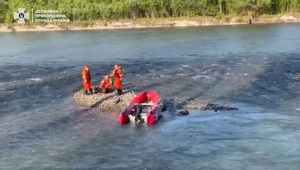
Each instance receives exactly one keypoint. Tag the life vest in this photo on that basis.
(118, 72)
(86, 75)
(105, 82)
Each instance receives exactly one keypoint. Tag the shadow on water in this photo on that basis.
(198, 92)
(42, 131)
(276, 87)
(127, 140)
(30, 88)
(45, 130)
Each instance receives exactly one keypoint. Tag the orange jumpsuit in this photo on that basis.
(106, 85)
(118, 74)
(86, 79)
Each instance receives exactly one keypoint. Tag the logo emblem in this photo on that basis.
(21, 15)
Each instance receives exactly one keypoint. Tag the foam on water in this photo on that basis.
(35, 79)
(200, 76)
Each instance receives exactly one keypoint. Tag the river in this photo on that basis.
(252, 67)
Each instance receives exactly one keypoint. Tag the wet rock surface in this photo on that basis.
(113, 103)
(188, 103)
(109, 102)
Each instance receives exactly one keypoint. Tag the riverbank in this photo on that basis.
(151, 23)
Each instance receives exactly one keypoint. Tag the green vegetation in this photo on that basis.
(90, 10)
(3, 10)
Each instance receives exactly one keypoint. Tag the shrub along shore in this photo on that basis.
(150, 23)
(120, 14)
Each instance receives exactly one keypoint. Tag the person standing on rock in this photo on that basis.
(86, 80)
(106, 85)
(118, 74)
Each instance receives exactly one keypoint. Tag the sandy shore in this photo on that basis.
(150, 23)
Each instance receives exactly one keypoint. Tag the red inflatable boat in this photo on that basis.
(145, 107)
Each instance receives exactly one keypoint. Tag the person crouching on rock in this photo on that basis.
(86, 80)
(118, 74)
(106, 85)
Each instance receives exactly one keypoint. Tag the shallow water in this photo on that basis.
(250, 67)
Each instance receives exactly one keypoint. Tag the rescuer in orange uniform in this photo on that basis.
(86, 80)
(118, 74)
(106, 85)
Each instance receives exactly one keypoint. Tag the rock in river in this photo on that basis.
(108, 102)
(113, 103)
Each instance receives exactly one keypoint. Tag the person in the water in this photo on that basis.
(106, 85)
(86, 80)
(118, 74)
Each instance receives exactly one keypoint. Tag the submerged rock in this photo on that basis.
(183, 113)
(188, 103)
